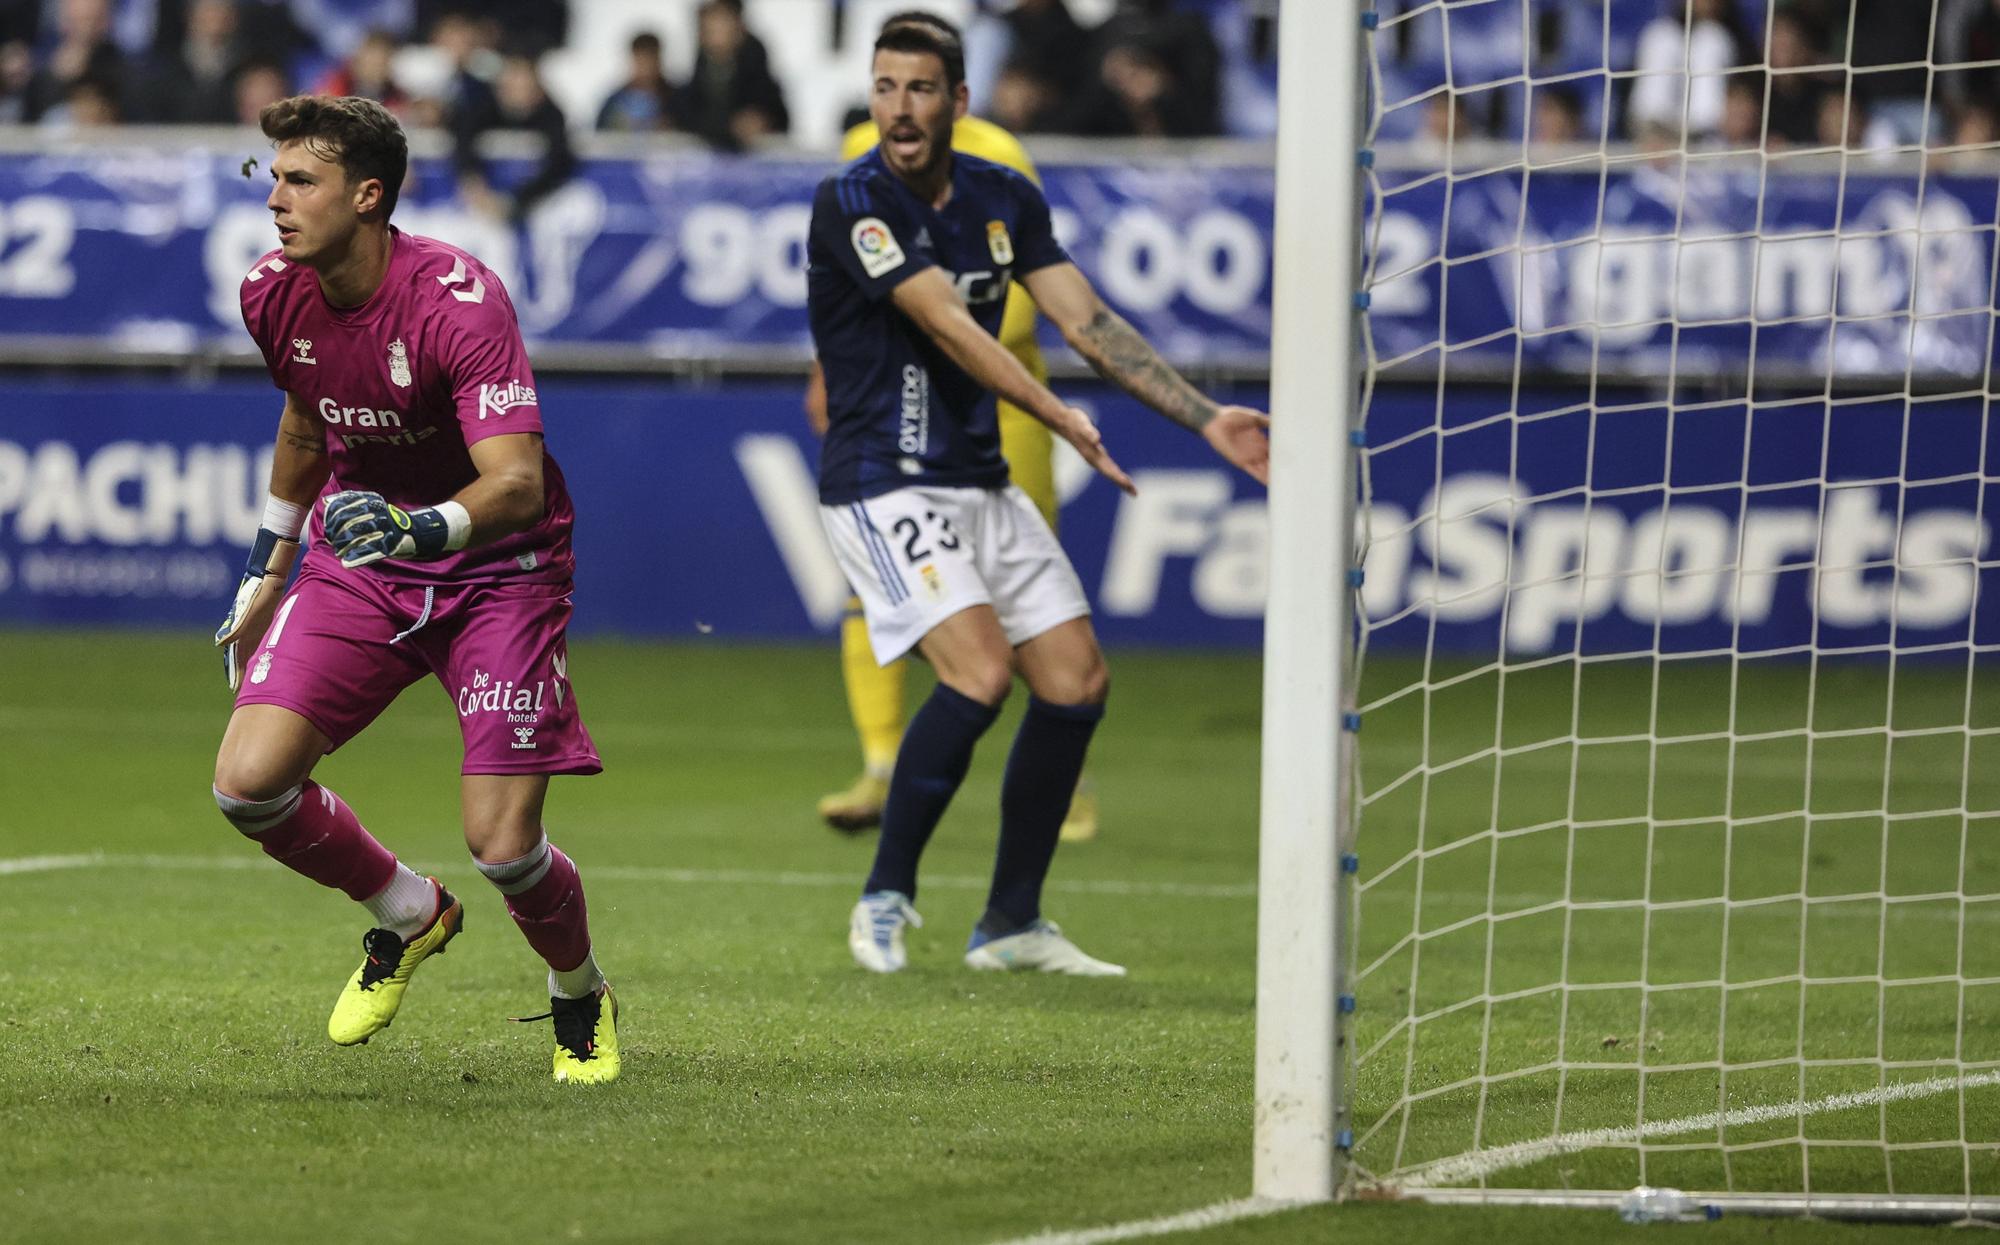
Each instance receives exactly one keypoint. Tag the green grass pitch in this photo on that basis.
(164, 1073)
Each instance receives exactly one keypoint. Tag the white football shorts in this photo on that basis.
(919, 555)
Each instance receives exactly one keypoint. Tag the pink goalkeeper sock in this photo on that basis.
(545, 898)
(311, 831)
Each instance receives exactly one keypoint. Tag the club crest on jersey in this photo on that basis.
(876, 246)
(997, 242)
(302, 350)
(399, 364)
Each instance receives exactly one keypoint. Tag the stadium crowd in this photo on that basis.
(1149, 67)
(1729, 74)
(1735, 73)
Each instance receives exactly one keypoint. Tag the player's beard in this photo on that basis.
(930, 159)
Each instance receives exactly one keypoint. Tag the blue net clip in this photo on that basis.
(1344, 1139)
(1358, 438)
(1355, 577)
(1350, 863)
(1371, 20)
(1365, 157)
(1346, 1004)
(1352, 721)
(1361, 301)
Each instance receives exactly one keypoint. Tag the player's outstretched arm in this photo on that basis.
(299, 467)
(931, 303)
(506, 497)
(1116, 351)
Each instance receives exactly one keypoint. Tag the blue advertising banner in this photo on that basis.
(676, 255)
(1615, 528)
(1856, 270)
(696, 256)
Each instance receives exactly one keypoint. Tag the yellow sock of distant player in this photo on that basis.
(874, 694)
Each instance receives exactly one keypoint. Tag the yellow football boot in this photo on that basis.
(1080, 823)
(373, 994)
(586, 1038)
(857, 808)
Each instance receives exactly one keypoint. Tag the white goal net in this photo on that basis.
(1675, 825)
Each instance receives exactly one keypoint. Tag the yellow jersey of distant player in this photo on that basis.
(977, 137)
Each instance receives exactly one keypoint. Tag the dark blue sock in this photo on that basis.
(937, 748)
(1034, 797)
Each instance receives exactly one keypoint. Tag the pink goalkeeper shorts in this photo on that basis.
(345, 642)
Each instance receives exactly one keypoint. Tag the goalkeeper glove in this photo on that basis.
(271, 557)
(363, 527)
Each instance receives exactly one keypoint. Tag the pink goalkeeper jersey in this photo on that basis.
(403, 384)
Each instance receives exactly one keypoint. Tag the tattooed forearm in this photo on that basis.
(304, 443)
(1117, 352)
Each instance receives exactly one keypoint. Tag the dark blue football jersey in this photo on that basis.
(899, 411)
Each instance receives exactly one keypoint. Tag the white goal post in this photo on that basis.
(1635, 820)
(1313, 390)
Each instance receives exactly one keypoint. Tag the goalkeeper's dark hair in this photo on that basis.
(356, 133)
(914, 30)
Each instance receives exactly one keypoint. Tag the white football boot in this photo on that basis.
(875, 930)
(1039, 946)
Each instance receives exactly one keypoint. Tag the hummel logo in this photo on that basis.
(303, 348)
(524, 737)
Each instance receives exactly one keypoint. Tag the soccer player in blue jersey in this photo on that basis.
(911, 251)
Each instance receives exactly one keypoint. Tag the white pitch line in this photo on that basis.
(643, 873)
(1187, 1221)
(43, 864)
(1479, 1164)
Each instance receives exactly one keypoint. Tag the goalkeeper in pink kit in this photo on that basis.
(438, 530)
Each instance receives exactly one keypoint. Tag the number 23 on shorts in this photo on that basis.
(917, 538)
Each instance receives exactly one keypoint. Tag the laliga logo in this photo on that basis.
(871, 238)
(499, 399)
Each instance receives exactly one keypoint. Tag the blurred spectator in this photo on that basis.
(1159, 67)
(370, 72)
(17, 70)
(1447, 122)
(1797, 88)
(264, 30)
(465, 104)
(1680, 63)
(732, 97)
(1023, 99)
(88, 105)
(1847, 121)
(1743, 113)
(1895, 32)
(1045, 42)
(522, 103)
(1136, 94)
(532, 26)
(1977, 125)
(1968, 31)
(647, 102)
(195, 82)
(83, 50)
(1557, 115)
(341, 27)
(259, 82)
